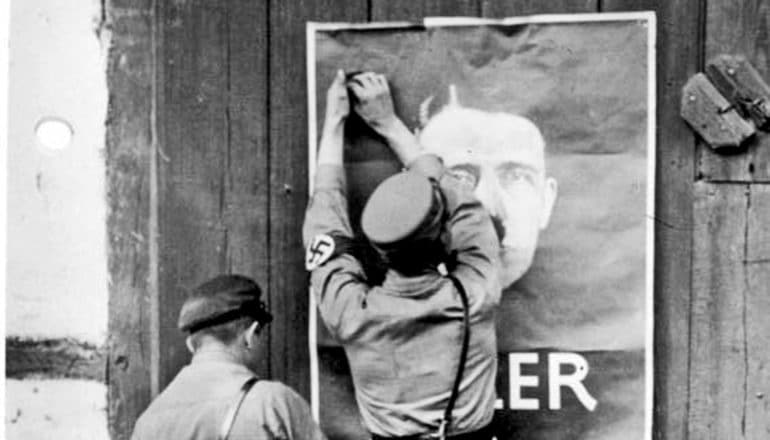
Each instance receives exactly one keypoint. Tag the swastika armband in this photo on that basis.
(319, 251)
(324, 247)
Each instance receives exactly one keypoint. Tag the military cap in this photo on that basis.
(404, 208)
(222, 299)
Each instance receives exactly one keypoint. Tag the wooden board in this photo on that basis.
(730, 378)
(213, 165)
(128, 129)
(411, 10)
(713, 117)
(739, 28)
(192, 164)
(288, 282)
(502, 8)
(719, 313)
(757, 266)
(246, 180)
(53, 358)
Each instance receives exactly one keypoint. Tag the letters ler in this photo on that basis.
(557, 379)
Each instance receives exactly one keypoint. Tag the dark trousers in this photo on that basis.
(484, 433)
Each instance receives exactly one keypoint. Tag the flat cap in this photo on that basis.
(222, 299)
(403, 208)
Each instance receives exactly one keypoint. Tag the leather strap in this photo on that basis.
(447, 421)
(232, 411)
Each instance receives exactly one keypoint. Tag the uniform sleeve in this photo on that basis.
(136, 434)
(472, 236)
(291, 416)
(339, 285)
(327, 212)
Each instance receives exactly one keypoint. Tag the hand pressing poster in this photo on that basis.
(551, 120)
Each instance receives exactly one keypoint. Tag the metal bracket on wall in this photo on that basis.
(728, 104)
(738, 81)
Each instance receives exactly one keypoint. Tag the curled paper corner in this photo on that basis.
(424, 112)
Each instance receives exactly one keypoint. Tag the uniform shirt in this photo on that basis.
(194, 404)
(403, 338)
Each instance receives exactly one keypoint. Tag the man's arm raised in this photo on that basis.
(374, 104)
(337, 278)
(472, 236)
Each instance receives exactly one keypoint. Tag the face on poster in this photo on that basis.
(550, 120)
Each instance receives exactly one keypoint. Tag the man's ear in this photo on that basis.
(250, 337)
(188, 343)
(550, 191)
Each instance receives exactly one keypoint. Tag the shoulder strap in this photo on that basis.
(232, 411)
(447, 421)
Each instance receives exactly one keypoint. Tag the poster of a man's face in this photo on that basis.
(502, 157)
(550, 121)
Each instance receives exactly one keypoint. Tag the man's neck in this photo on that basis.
(220, 352)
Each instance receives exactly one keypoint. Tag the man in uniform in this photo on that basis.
(403, 338)
(217, 395)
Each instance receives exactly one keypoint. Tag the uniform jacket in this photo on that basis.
(194, 404)
(403, 338)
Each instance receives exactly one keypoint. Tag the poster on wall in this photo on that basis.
(574, 327)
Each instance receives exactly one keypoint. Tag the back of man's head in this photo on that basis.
(222, 308)
(403, 219)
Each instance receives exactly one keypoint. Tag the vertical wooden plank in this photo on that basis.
(288, 178)
(246, 187)
(719, 339)
(679, 47)
(502, 8)
(631, 5)
(128, 153)
(192, 165)
(415, 10)
(757, 265)
(739, 27)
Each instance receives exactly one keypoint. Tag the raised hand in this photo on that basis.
(373, 100)
(337, 101)
(374, 103)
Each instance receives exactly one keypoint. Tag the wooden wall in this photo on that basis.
(207, 173)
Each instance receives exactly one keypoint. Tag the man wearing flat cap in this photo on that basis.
(218, 395)
(421, 345)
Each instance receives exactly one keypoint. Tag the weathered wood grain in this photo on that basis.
(679, 47)
(502, 8)
(757, 267)
(288, 179)
(739, 28)
(128, 154)
(53, 358)
(719, 359)
(712, 116)
(192, 166)
(247, 166)
(412, 10)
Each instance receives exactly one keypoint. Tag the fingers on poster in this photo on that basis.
(551, 120)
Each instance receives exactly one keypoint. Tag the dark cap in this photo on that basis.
(220, 300)
(403, 208)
